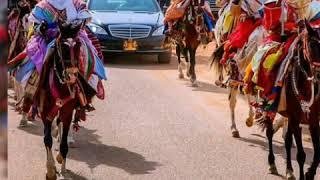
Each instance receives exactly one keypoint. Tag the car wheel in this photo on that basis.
(165, 58)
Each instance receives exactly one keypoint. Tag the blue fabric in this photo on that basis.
(166, 27)
(261, 12)
(43, 15)
(208, 21)
(316, 17)
(99, 69)
(23, 70)
(51, 44)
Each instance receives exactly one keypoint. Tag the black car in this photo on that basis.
(129, 26)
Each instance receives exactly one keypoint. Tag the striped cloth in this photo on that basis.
(96, 43)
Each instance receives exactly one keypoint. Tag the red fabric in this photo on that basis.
(100, 90)
(271, 18)
(315, 23)
(242, 32)
(239, 37)
(266, 78)
(16, 60)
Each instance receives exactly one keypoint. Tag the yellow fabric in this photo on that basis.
(271, 59)
(248, 73)
(30, 31)
(228, 22)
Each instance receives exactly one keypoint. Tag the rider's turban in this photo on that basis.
(302, 7)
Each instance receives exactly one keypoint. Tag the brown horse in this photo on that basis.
(302, 94)
(62, 89)
(235, 69)
(188, 40)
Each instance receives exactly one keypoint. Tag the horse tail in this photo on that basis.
(215, 60)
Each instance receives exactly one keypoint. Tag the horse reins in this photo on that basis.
(314, 68)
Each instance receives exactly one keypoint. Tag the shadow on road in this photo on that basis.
(34, 128)
(209, 87)
(95, 153)
(139, 62)
(73, 176)
(261, 142)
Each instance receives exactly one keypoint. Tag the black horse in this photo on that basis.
(62, 90)
(302, 83)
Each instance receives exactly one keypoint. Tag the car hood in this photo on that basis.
(126, 17)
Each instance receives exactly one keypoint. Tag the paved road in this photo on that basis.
(152, 126)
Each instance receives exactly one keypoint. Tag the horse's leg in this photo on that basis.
(193, 76)
(250, 119)
(315, 136)
(271, 158)
(185, 53)
(288, 145)
(76, 117)
(51, 168)
(232, 104)
(178, 52)
(66, 113)
(27, 102)
(301, 156)
(57, 129)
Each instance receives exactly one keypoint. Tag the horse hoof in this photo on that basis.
(59, 158)
(249, 122)
(290, 175)
(235, 134)
(273, 169)
(218, 83)
(23, 123)
(181, 76)
(54, 177)
(309, 176)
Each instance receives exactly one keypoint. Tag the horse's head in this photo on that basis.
(68, 47)
(198, 12)
(312, 44)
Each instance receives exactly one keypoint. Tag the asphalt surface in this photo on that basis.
(153, 126)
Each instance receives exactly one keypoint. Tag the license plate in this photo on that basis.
(130, 45)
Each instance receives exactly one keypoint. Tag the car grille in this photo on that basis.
(129, 31)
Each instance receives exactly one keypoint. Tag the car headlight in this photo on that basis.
(159, 31)
(97, 29)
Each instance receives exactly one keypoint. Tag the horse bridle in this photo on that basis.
(313, 76)
(69, 74)
(315, 66)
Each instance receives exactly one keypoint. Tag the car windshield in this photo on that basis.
(124, 5)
